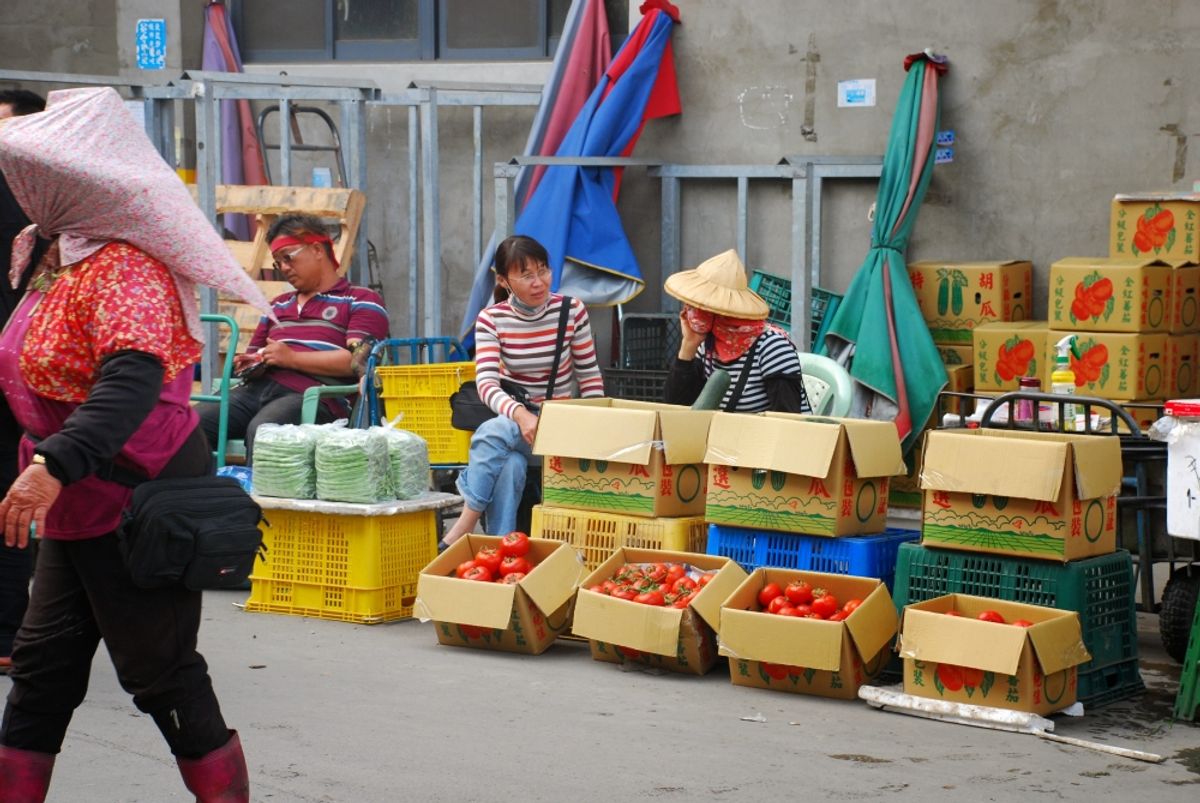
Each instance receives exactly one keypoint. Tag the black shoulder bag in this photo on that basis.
(467, 410)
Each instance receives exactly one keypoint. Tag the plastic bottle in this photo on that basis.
(1062, 381)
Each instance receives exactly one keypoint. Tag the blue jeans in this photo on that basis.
(494, 479)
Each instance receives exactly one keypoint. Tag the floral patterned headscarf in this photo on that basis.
(84, 171)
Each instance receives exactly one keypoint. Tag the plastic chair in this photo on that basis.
(221, 390)
(829, 386)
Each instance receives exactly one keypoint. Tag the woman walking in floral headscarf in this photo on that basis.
(96, 364)
(723, 325)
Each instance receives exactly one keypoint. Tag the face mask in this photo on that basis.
(700, 321)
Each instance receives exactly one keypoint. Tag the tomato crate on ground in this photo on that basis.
(1100, 589)
(1108, 684)
(353, 568)
(621, 383)
(598, 535)
(649, 341)
(777, 292)
(421, 395)
(859, 555)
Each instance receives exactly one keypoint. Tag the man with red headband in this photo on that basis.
(320, 324)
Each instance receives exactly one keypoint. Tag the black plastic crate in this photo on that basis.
(649, 342)
(621, 383)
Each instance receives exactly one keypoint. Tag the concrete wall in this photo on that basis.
(1056, 105)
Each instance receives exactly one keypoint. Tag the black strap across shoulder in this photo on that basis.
(743, 377)
(563, 312)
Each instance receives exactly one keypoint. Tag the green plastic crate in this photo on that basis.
(1100, 589)
(777, 292)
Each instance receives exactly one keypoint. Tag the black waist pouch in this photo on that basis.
(201, 532)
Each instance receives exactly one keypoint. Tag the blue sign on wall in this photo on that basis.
(151, 44)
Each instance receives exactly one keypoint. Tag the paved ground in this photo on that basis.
(336, 712)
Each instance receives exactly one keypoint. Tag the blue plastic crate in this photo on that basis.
(859, 555)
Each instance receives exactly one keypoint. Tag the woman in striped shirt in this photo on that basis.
(516, 340)
(723, 326)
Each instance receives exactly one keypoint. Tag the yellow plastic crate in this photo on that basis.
(598, 535)
(421, 393)
(347, 568)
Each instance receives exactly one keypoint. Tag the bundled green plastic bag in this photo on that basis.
(283, 461)
(352, 466)
(408, 458)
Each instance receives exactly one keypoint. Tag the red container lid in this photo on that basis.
(1183, 408)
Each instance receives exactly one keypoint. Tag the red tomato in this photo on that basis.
(464, 567)
(684, 584)
(514, 563)
(813, 615)
(657, 572)
(850, 606)
(991, 616)
(704, 580)
(628, 571)
(826, 606)
(684, 600)
(512, 578)
(789, 610)
(650, 598)
(480, 573)
(803, 609)
(515, 543)
(608, 586)
(838, 616)
(624, 592)
(489, 556)
(799, 592)
(676, 570)
(1021, 623)
(777, 604)
(768, 592)
(598, 588)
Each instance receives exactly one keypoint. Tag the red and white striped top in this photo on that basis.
(520, 347)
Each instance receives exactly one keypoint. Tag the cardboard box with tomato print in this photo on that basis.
(1035, 495)
(525, 617)
(680, 640)
(1005, 352)
(808, 656)
(951, 654)
(955, 297)
(617, 456)
(1182, 356)
(1159, 225)
(1113, 365)
(800, 473)
(1110, 295)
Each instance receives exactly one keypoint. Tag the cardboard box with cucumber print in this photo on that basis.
(955, 297)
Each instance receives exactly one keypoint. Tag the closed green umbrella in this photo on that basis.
(878, 331)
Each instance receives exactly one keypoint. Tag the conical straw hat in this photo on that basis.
(718, 285)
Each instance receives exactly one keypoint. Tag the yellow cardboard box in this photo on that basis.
(904, 490)
(956, 355)
(1115, 365)
(1182, 354)
(1005, 352)
(1034, 495)
(808, 656)
(965, 660)
(800, 474)
(1185, 297)
(955, 297)
(675, 639)
(617, 456)
(524, 617)
(1161, 225)
(1089, 294)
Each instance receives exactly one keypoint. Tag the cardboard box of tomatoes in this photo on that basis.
(679, 636)
(990, 652)
(807, 632)
(472, 604)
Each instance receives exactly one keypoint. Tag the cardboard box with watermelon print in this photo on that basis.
(955, 297)
(1089, 294)
(1158, 225)
(963, 659)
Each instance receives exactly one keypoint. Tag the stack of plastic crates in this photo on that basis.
(597, 535)
(777, 293)
(649, 342)
(1100, 589)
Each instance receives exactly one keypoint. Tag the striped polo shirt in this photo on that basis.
(327, 321)
(774, 354)
(520, 347)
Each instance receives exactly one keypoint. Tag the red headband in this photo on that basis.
(284, 240)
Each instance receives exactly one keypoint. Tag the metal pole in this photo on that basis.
(414, 264)
(743, 201)
(800, 290)
(207, 167)
(285, 142)
(354, 113)
(432, 240)
(477, 184)
(670, 236)
(503, 199)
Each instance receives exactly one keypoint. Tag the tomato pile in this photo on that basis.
(507, 563)
(662, 584)
(1153, 228)
(1091, 301)
(994, 616)
(800, 599)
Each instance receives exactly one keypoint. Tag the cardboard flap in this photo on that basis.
(684, 435)
(1026, 468)
(1058, 643)
(465, 602)
(783, 443)
(1098, 466)
(554, 579)
(935, 637)
(760, 636)
(875, 447)
(628, 624)
(598, 432)
(873, 624)
(708, 602)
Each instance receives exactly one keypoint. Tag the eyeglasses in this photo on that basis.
(287, 257)
(527, 276)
